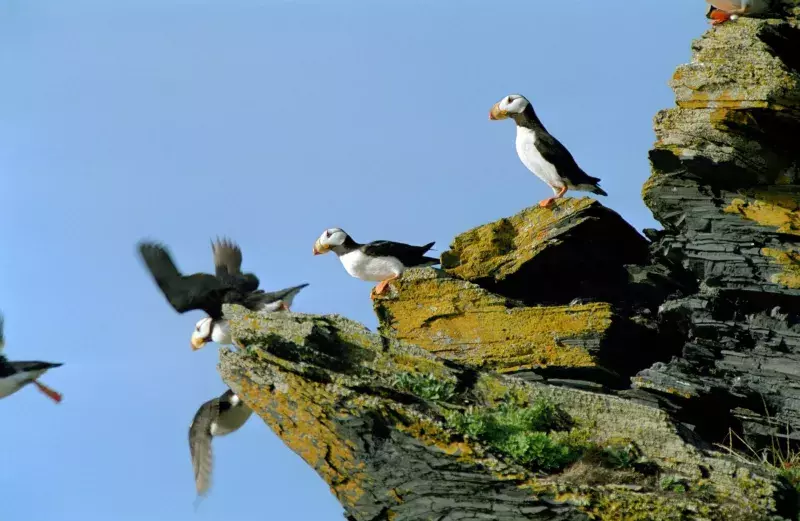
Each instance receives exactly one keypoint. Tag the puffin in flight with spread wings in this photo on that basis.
(208, 293)
(16, 375)
(216, 417)
(720, 11)
(377, 261)
(543, 154)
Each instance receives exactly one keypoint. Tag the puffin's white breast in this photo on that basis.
(531, 158)
(221, 333)
(365, 267)
(13, 383)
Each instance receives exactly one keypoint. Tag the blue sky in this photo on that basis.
(266, 121)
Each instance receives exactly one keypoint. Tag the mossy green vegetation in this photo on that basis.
(525, 434)
(426, 386)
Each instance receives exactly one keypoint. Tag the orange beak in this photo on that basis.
(316, 251)
(496, 113)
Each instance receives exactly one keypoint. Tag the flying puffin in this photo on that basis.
(16, 375)
(720, 11)
(543, 154)
(382, 261)
(209, 292)
(216, 417)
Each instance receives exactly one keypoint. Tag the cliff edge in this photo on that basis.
(608, 390)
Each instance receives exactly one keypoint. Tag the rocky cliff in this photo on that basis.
(496, 390)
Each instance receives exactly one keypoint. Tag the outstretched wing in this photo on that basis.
(2, 332)
(200, 444)
(405, 253)
(184, 292)
(228, 265)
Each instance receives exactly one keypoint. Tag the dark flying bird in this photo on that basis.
(543, 154)
(382, 261)
(16, 375)
(208, 293)
(216, 417)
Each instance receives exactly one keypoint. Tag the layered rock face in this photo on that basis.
(725, 173)
(561, 366)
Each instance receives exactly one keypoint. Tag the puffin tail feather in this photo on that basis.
(592, 187)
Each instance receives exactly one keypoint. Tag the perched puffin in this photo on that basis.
(543, 154)
(382, 261)
(16, 375)
(720, 11)
(216, 417)
(209, 292)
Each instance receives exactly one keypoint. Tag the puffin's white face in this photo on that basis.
(201, 334)
(510, 105)
(330, 238)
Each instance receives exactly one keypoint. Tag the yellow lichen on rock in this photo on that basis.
(298, 411)
(460, 321)
(779, 211)
(500, 248)
(790, 262)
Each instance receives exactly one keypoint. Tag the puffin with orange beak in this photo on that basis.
(206, 292)
(377, 261)
(720, 11)
(16, 375)
(541, 153)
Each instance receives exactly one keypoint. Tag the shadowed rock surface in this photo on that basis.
(331, 390)
(725, 186)
(496, 390)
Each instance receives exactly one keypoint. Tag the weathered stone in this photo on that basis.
(460, 321)
(327, 387)
(576, 248)
(726, 170)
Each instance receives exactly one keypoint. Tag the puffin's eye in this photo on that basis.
(328, 234)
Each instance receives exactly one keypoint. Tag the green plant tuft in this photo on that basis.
(529, 435)
(673, 484)
(425, 386)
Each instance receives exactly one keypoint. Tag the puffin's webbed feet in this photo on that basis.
(284, 306)
(549, 201)
(381, 287)
(719, 17)
(53, 395)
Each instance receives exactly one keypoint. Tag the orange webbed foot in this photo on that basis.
(285, 306)
(719, 17)
(50, 393)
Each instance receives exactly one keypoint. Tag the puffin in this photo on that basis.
(377, 261)
(217, 417)
(720, 11)
(16, 375)
(206, 292)
(541, 153)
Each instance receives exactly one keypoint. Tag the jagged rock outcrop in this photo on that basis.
(379, 421)
(725, 186)
(497, 390)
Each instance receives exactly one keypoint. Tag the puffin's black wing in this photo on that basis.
(184, 292)
(2, 332)
(274, 296)
(228, 266)
(6, 368)
(405, 253)
(200, 444)
(557, 154)
(35, 365)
